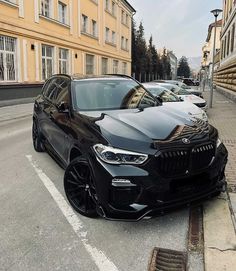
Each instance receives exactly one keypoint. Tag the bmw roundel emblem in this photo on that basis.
(186, 141)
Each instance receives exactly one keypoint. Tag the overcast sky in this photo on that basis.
(179, 25)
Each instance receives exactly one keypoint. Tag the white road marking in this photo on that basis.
(100, 259)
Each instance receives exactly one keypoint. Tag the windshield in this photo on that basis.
(184, 86)
(182, 91)
(165, 94)
(104, 94)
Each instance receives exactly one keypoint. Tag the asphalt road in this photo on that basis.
(39, 230)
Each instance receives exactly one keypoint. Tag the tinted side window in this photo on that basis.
(50, 89)
(62, 91)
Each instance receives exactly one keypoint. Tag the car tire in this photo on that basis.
(37, 138)
(80, 188)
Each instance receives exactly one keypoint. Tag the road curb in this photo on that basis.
(219, 236)
(16, 101)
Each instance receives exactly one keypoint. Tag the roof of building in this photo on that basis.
(211, 26)
(128, 4)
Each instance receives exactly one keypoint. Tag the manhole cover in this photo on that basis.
(167, 260)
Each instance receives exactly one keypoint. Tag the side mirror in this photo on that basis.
(63, 107)
(159, 99)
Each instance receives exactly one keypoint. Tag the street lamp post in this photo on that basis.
(215, 12)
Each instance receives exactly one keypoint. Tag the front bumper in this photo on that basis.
(128, 192)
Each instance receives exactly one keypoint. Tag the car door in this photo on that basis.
(46, 105)
(59, 116)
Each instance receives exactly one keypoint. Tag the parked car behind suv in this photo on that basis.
(173, 102)
(185, 87)
(125, 155)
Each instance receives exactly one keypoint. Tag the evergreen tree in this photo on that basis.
(166, 69)
(183, 67)
(141, 50)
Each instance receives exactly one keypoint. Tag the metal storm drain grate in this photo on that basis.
(167, 260)
(195, 228)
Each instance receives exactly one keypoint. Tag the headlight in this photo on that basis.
(117, 156)
(218, 142)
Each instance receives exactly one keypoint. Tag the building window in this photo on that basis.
(122, 42)
(222, 49)
(63, 60)
(107, 34)
(225, 41)
(113, 9)
(115, 66)
(7, 58)
(123, 16)
(126, 19)
(104, 65)
(113, 37)
(124, 67)
(47, 61)
(107, 6)
(232, 37)
(126, 44)
(62, 12)
(94, 28)
(84, 23)
(228, 43)
(46, 8)
(89, 64)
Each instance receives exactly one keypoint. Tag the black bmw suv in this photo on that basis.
(125, 155)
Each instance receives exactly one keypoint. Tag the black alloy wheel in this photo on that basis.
(37, 138)
(79, 187)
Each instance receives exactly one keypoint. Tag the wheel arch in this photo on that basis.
(74, 152)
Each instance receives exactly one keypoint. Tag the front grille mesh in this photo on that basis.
(183, 161)
(202, 156)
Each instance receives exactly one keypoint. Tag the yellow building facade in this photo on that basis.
(225, 77)
(39, 38)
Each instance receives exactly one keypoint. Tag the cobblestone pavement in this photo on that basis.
(223, 116)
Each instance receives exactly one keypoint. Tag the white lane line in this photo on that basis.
(100, 259)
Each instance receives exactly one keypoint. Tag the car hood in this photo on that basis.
(193, 90)
(192, 99)
(186, 107)
(135, 129)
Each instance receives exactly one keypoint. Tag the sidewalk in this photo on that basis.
(220, 214)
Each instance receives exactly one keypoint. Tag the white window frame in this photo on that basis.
(89, 67)
(104, 68)
(124, 67)
(107, 34)
(126, 19)
(122, 42)
(113, 37)
(62, 12)
(126, 44)
(7, 77)
(84, 24)
(63, 59)
(47, 58)
(94, 31)
(113, 8)
(122, 16)
(46, 11)
(115, 66)
(107, 4)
